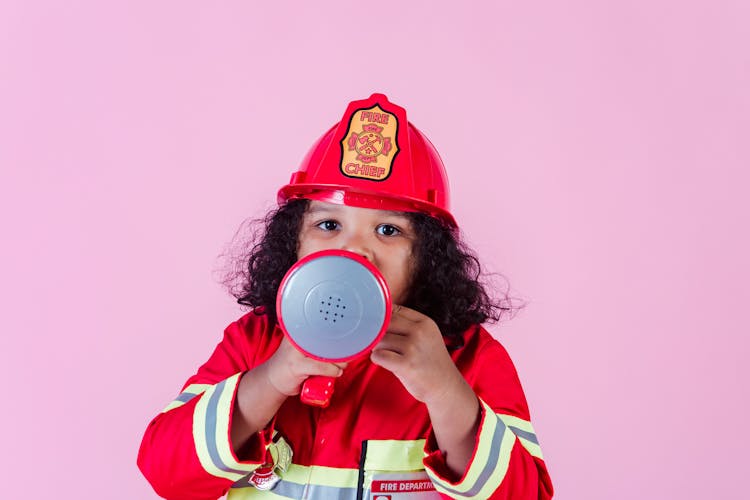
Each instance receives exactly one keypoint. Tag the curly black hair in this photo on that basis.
(257, 274)
(448, 285)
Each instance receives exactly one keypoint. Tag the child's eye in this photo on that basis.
(328, 225)
(388, 230)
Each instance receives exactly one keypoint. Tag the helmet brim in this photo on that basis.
(345, 195)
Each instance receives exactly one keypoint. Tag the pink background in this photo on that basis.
(598, 154)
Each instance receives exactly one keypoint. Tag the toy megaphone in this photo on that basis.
(333, 306)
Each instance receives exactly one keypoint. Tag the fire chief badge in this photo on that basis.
(370, 146)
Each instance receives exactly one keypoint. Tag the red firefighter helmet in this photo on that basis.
(374, 158)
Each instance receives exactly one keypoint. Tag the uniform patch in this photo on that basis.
(267, 475)
(264, 478)
(369, 146)
(396, 486)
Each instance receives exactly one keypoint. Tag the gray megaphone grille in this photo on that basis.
(333, 306)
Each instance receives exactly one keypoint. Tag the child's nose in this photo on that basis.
(358, 244)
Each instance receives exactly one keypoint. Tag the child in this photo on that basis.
(435, 410)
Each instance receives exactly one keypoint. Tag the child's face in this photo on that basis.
(383, 237)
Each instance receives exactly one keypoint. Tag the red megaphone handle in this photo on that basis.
(317, 391)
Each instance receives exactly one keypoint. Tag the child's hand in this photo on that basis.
(288, 368)
(414, 350)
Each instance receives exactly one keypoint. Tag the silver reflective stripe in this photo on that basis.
(528, 436)
(317, 492)
(188, 394)
(185, 397)
(290, 490)
(307, 491)
(489, 466)
(210, 430)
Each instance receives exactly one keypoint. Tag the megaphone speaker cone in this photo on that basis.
(333, 305)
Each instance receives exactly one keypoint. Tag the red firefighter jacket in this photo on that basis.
(374, 441)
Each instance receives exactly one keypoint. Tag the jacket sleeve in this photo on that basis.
(507, 461)
(186, 451)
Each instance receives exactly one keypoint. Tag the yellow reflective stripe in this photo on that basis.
(395, 455)
(322, 476)
(490, 463)
(223, 411)
(249, 493)
(199, 437)
(211, 432)
(513, 423)
(196, 388)
(534, 449)
(503, 460)
(318, 475)
(186, 395)
(171, 406)
(314, 482)
(487, 429)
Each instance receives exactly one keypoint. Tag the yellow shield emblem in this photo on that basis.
(370, 145)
